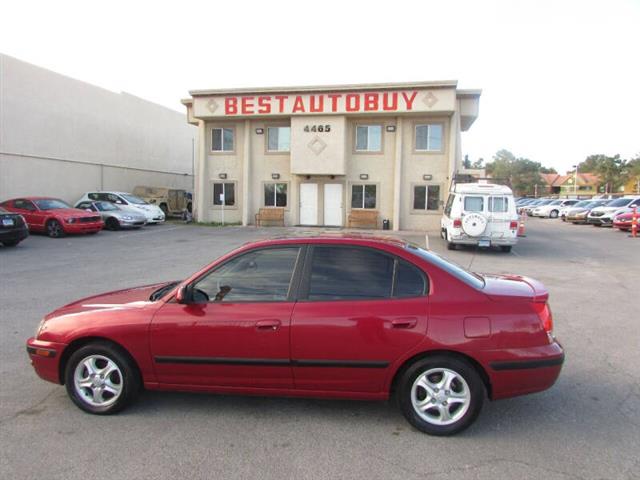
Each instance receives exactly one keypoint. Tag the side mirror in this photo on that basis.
(185, 295)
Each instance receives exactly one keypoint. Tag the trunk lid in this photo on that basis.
(514, 287)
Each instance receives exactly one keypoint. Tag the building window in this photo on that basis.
(224, 194)
(278, 139)
(222, 139)
(363, 196)
(429, 138)
(275, 194)
(368, 138)
(426, 197)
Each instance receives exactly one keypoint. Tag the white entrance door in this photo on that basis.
(333, 204)
(308, 204)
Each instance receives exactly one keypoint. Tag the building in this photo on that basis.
(326, 153)
(62, 137)
(587, 185)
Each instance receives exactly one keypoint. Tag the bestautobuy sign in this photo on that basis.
(394, 101)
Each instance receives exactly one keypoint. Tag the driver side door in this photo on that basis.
(237, 334)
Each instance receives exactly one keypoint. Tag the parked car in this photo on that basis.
(172, 201)
(328, 316)
(578, 214)
(623, 221)
(527, 209)
(603, 216)
(113, 216)
(53, 216)
(482, 214)
(13, 228)
(127, 201)
(562, 214)
(551, 209)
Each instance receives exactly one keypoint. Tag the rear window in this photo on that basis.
(474, 204)
(498, 204)
(472, 279)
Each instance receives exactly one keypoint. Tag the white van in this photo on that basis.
(482, 214)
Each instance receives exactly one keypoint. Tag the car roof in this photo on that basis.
(32, 198)
(484, 188)
(336, 238)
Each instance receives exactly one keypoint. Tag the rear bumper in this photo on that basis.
(516, 372)
(14, 235)
(493, 241)
(45, 358)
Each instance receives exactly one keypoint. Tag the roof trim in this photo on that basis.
(469, 93)
(328, 88)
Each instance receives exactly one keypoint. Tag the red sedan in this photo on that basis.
(339, 317)
(624, 221)
(53, 216)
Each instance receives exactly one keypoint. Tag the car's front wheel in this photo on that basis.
(54, 229)
(100, 379)
(441, 395)
(554, 214)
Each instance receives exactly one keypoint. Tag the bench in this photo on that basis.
(363, 219)
(271, 215)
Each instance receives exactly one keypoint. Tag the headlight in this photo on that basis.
(39, 328)
(127, 217)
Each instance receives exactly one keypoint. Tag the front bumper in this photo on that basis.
(521, 371)
(82, 227)
(45, 358)
(604, 221)
(623, 225)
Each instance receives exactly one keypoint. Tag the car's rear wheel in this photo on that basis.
(113, 224)
(505, 248)
(100, 379)
(54, 229)
(554, 214)
(441, 395)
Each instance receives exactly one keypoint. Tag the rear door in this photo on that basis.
(358, 311)
(500, 214)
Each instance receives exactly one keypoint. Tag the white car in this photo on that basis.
(482, 214)
(552, 209)
(127, 201)
(603, 216)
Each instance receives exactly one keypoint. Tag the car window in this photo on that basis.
(474, 204)
(257, 276)
(620, 202)
(410, 281)
(132, 199)
(93, 195)
(51, 204)
(350, 273)
(447, 208)
(470, 278)
(498, 204)
(106, 206)
(24, 205)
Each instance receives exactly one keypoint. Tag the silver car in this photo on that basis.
(114, 217)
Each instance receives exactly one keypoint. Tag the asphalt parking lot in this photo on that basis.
(586, 426)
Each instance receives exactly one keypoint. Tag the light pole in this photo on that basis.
(575, 180)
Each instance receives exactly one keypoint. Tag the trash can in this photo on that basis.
(385, 224)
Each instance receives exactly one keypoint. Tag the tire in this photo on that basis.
(54, 229)
(553, 214)
(505, 248)
(112, 224)
(165, 209)
(450, 245)
(11, 243)
(467, 392)
(190, 207)
(97, 394)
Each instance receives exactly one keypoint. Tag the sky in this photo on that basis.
(560, 79)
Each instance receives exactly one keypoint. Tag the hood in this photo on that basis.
(71, 213)
(135, 214)
(514, 287)
(136, 297)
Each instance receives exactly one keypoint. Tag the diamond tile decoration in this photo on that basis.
(212, 105)
(317, 145)
(430, 99)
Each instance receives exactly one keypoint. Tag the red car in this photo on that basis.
(623, 221)
(53, 216)
(338, 317)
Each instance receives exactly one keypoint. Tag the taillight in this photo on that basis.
(457, 223)
(513, 225)
(546, 318)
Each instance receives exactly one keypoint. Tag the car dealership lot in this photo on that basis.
(586, 426)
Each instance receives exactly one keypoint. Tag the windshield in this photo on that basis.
(106, 206)
(556, 202)
(133, 199)
(162, 291)
(583, 203)
(448, 266)
(544, 202)
(620, 202)
(50, 204)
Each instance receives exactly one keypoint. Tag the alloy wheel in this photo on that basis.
(98, 380)
(440, 396)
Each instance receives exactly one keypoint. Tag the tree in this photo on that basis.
(548, 170)
(521, 173)
(632, 171)
(478, 163)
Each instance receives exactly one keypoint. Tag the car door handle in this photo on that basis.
(406, 322)
(268, 324)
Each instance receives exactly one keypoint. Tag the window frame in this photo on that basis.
(275, 182)
(428, 151)
(305, 280)
(235, 193)
(425, 210)
(267, 150)
(356, 150)
(363, 185)
(223, 151)
(294, 283)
